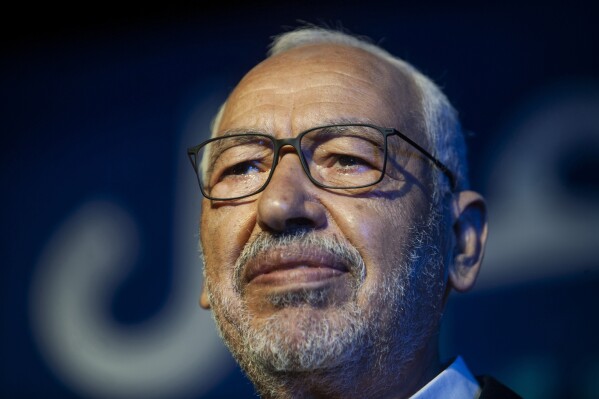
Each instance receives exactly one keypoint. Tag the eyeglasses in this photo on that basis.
(343, 156)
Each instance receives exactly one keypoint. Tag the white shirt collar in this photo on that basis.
(455, 382)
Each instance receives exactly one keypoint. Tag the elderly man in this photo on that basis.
(336, 221)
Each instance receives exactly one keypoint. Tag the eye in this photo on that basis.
(351, 164)
(242, 168)
(349, 161)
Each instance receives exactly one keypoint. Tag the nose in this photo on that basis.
(289, 200)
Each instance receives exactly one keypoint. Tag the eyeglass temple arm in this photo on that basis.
(439, 164)
(193, 158)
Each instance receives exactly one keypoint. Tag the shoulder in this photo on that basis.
(491, 389)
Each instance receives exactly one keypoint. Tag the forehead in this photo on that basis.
(319, 84)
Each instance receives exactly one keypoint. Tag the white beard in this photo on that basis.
(306, 335)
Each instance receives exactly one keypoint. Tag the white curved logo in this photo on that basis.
(539, 226)
(175, 354)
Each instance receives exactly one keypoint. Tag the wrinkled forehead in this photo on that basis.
(324, 83)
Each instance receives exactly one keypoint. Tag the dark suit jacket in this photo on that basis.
(493, 389)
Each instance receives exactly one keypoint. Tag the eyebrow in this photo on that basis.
(218, 146)
(350, 121)
(240, 130)
(334, 121)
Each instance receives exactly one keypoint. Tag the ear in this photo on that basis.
(470, 231)
(204, 299)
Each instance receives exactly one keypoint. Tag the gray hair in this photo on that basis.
(440, 118)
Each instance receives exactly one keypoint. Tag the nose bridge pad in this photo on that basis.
(287, 146)
(284, 145)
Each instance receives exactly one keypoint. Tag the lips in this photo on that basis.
(292, 264)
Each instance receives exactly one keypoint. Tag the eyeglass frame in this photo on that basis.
(192, 153)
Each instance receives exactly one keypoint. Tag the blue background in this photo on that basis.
(98, 104)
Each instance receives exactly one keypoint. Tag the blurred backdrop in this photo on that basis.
(100, 273)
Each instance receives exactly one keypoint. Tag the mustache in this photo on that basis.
(302, 239)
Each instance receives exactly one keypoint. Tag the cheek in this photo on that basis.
(224, 231)
(362, 223)
(374, 224)
(371, 225)
(380, 229)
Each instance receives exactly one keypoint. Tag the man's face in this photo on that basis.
(303, 278)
